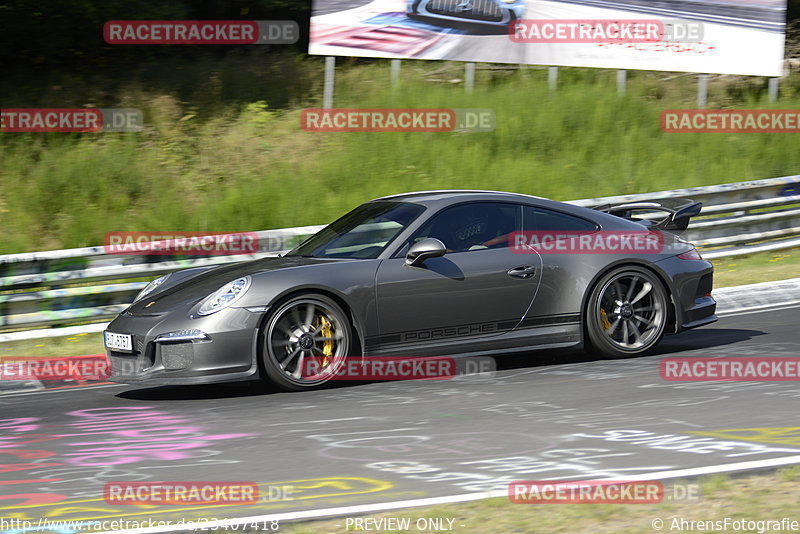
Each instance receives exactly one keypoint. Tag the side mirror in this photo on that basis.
(427, 248)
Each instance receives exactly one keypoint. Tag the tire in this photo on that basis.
(626, 313)
(306, 340)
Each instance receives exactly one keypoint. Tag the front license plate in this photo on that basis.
(121, 342)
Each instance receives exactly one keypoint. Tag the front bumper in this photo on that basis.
(225, 352)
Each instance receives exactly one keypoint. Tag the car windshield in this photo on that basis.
(362, 233)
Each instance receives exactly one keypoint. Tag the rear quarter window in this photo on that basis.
(543, 220)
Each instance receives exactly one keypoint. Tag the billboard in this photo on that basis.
(705, 36)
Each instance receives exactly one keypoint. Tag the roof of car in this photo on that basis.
(440, 199)
(441, 194)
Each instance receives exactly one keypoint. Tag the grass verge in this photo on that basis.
(77, 345)
(249, 166)
(755, 268)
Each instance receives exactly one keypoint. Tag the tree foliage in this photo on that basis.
(68, 33)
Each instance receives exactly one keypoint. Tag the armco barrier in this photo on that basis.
(40, 289)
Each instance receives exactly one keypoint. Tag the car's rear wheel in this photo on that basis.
(306, 342)
(627, 313)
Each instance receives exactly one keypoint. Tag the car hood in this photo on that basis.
(194, 285)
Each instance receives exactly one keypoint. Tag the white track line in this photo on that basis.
(447, 499)
(58, 390)
(759, 309)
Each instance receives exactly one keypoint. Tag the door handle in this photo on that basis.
(524, 271)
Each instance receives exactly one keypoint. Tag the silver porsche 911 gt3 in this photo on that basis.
(438, 273)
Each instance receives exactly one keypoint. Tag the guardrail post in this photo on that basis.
(622, 82)
(327, 91)
(394, 73)
(552, 78)
(469, 77)
(773, 89)
(702, 91)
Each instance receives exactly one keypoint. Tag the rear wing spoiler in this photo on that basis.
(678, 210)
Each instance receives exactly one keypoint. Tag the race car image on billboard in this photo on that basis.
(495, 12)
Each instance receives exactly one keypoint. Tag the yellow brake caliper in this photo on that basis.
(326, 331)
(604, 319)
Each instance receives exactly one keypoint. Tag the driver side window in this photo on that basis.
(474, 226)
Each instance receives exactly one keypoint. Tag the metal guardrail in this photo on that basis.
(40, 289)
(737, 219)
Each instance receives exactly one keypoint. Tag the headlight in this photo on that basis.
(224, 296)
(149, 288)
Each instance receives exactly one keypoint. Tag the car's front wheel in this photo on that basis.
(627, 312)
(306, 342)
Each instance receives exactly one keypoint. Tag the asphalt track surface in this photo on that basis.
(549, 415)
